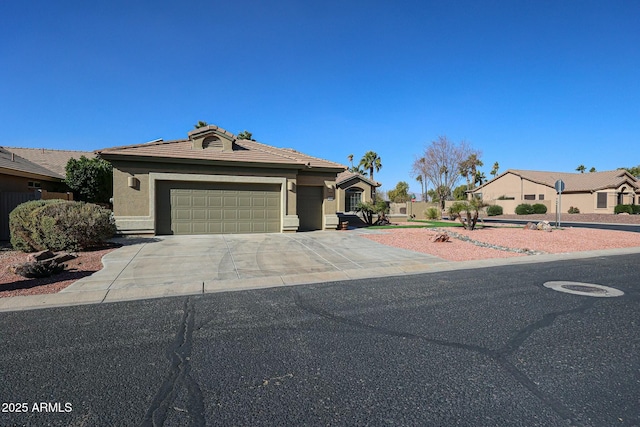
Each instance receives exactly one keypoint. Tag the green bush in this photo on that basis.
(635, 209)
(539, 208)
(432, 213)
(23, 220)
(61, 226)
(573, 210)
(524, 209)
(623, 209)
(494, 210)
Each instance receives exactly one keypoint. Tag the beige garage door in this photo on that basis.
(214, 208)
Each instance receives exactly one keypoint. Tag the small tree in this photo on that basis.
(471, 210)
(368, 209)
(459, 193)
(400, 194)
(90, 179)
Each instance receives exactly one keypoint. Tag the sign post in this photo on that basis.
(559, 186)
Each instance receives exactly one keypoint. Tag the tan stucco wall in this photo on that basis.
(135, 201)
(20, 184)
(511, 185)
(341, 192)
(132, 205)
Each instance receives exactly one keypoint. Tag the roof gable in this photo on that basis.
(348, 175)
(230, 149)
(575, 182)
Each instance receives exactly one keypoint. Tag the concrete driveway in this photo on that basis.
(170, 265)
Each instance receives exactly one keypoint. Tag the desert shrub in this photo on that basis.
(432, 213)
(524, 209)
(573, 210)
(539, 208)
(23, 220)
(623, 209)
(39, 269)
(494, 210)
(66, 226)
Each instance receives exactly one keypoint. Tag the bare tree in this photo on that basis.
(440, 164)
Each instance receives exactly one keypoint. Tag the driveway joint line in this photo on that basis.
(235, 267)
(323, 258)
(122, 271)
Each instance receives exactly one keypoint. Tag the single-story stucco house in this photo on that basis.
(353, 188)
(30, 174)
(211, 182)
(592, 192)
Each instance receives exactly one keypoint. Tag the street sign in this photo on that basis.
(559, 186)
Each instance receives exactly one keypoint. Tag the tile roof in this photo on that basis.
(347, 175)
(576, 182)
(245, 151)
(41, 161)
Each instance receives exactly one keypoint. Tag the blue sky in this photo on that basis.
(544, 85)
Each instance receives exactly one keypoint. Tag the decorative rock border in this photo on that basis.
(464, 238)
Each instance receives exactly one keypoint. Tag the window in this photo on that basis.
(352, 198)
(602, 200)
(529, 196)
(540, 196)
(33, 184)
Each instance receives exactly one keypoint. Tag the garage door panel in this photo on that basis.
(213, 208)
(199, 201)
(244, 215)
(199, 214)
(214, 201)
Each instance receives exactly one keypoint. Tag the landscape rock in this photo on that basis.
(544, 226)
(42, 255)
(440, 238)
(530, 226)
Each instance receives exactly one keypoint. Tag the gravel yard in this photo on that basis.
(556, 241)
(12, 284)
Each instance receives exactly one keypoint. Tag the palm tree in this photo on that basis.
(494, 171)
(474, 164)
(200, 124)
(371, 161)
(245, 135)
(350, 157)
(419, 179)
(581, 168)
(480, 178)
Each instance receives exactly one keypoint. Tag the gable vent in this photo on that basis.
(213, 143)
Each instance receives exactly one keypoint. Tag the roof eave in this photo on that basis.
(24, 174)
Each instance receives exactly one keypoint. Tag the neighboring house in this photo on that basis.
(592, 192)
(29, 174)
(213, 183)
(353, 188)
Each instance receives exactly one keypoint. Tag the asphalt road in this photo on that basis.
(487, 347)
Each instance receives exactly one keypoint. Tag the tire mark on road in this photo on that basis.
(499, 356)
(179, 354)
